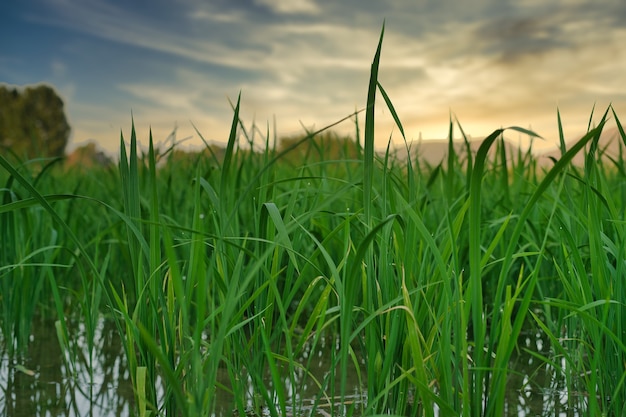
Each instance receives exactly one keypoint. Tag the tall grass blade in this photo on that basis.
(369, 132)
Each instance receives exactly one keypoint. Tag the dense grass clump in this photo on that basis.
(240, 263)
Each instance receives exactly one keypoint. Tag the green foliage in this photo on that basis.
(224, 270)
(33, 122)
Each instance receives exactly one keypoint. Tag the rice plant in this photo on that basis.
(226, 272)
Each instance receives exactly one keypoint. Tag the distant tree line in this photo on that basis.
(324, 146)
(32, 122)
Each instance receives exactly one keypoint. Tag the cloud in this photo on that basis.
(515, 38)
(490, 63)
(290, 6)
(210, 15)
(164, 96)
(113, 23)
(533, 33)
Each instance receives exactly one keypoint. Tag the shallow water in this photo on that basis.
(54, 390)
(51, 390)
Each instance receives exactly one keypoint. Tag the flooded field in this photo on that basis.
(316, 279)
(42, 384)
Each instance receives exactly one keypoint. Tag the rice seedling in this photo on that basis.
(225, 272)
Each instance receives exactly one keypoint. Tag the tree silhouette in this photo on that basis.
(33, 122)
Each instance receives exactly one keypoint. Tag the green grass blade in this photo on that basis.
(392, 109)
(370, 133)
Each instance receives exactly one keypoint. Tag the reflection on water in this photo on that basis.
(51, 389)
(54, 390)
(533, 389)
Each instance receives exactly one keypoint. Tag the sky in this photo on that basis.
(304, 64)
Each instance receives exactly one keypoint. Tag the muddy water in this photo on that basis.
(41, 385)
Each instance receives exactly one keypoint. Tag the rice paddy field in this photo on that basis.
(317, 277)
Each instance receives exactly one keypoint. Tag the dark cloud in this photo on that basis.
(603, 16)
(530, 33)
(510, 39)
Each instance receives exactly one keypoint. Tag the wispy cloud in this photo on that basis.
(290, 6)
(491, 63)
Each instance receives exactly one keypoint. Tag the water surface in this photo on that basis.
(42, 384)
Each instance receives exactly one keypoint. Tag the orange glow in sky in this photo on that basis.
(489, 63)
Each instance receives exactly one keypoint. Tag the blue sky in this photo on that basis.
(491, 63)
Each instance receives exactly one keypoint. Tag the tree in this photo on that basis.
(33, 122)
(87, 157)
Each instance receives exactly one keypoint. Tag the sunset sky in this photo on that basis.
(490, 63)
